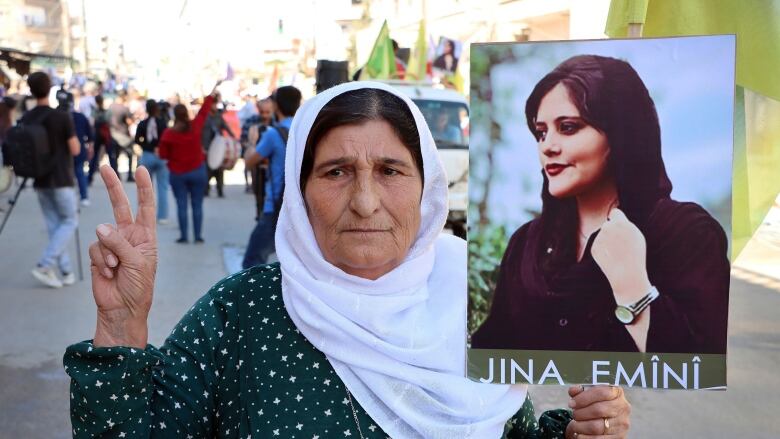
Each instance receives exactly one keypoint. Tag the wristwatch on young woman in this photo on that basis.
(627, 314)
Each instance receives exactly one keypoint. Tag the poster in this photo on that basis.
(600, 207)
(448, 52)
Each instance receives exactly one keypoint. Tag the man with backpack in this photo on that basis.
(86, 138)
(251, 132)
(272, 147)
(50, 137)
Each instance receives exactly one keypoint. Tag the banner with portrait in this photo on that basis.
(448, 52)
(600, 211)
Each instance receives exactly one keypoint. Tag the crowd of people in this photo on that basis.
(95, 122)
(359, 216)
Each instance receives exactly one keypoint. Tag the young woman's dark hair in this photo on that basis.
(359, 106)
(40, 84)
(612, 98)
(181, 118)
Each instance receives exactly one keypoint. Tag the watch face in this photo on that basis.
(624, 315)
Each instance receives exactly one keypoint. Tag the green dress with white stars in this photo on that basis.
(234, 367)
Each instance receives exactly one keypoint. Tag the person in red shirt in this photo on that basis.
(181, 146)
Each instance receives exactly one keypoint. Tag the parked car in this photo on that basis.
(447, 114)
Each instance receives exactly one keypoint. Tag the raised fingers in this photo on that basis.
(147, 210)
(119, 201)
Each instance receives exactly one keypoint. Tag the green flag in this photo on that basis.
(381, 62)
(756, 180)
(418, 62)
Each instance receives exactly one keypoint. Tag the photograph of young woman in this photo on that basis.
(613, 262)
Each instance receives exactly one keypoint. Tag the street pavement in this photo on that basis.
(38, 323)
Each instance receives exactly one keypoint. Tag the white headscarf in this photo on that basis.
(398, 342)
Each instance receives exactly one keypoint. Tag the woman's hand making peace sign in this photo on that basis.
(124, 264)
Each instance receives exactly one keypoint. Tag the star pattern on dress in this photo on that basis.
(196, 383)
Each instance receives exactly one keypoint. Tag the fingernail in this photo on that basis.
(111, 260)
(572, 403)
(108, 273)
(104, 230)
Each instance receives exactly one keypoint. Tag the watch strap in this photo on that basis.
(640, 305)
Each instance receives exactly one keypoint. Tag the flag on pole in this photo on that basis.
(273, 81)
(418, 62)
(230, 73)
(381, 62)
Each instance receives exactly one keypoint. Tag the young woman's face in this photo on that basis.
(573, 154)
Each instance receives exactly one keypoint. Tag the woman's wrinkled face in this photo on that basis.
(363, 198)
(573, 153)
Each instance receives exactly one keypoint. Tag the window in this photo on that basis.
(448, 121)
(34, 16)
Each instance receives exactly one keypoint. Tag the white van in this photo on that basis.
(447, 114)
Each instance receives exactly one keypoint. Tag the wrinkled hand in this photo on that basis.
(620, 251)
(124, 263)
(591, 406)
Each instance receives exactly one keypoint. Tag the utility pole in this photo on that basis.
(84, 35)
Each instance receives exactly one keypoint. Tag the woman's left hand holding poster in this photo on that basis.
(598, 412)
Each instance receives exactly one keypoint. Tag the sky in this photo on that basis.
(230, 30)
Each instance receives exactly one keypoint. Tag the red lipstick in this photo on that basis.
(554, 169)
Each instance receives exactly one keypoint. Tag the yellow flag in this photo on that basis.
(418, 62)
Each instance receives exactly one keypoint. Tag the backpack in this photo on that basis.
(284, 133)
(27, 148)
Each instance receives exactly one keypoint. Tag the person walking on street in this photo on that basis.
(214, 126)
(55, 191)
(87, 104)
(251, 133)
(103, 142)
(181, 146)
(272, 146)
(120, 120)
(86, 140)
(148, 135)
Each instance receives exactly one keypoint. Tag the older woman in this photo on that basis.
(613, 263)
(358, 332)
